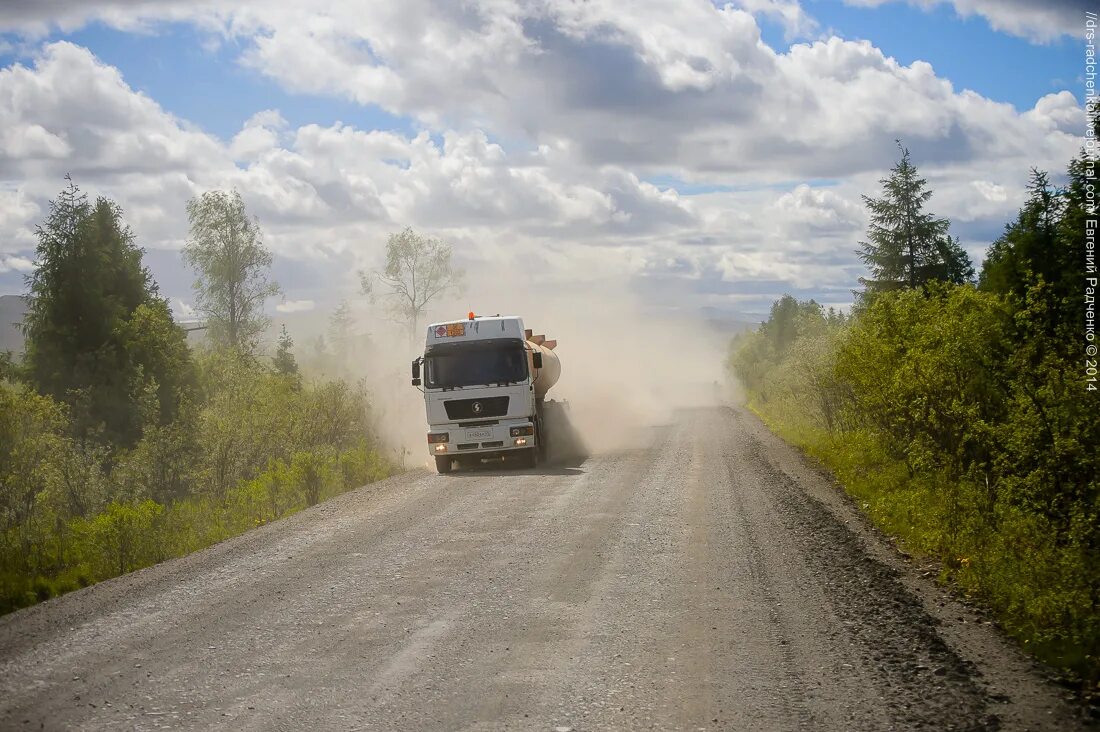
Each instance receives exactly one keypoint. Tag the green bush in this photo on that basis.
(257, 447)
(119, 540)
(950, 416)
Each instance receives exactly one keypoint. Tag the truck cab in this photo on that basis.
(479, 379)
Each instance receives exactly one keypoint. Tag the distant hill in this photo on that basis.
(13, 308)
(305, 327)
(729, 323)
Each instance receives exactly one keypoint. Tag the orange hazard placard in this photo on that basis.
(456, 329)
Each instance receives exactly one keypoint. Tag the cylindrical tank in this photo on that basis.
(548, 375)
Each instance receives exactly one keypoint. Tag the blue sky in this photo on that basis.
(967, 51)
(199, 77)
(687, 163)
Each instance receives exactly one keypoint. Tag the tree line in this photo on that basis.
(121, 445)
(955, 406)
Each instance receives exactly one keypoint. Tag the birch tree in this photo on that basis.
(418, 270)
(226, 249)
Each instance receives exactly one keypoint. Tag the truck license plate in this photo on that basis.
(478, 434)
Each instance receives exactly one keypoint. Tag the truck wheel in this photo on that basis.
(530, 458)
(442, 464)
(541, 452)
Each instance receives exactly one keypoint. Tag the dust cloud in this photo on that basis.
(626, 365)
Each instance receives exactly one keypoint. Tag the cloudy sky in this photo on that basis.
(700, 155)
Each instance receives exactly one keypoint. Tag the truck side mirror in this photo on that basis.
(416, 372)
(536, 360)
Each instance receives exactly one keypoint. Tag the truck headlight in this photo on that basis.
(441, 447)
(521, 441)
(434, 437)
(526, 429)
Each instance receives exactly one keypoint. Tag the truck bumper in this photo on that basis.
(484, 441)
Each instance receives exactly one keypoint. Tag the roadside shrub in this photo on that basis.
(950, 416)
(257, 447)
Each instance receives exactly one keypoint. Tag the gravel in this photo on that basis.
(709, 579)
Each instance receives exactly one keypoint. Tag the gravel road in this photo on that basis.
(708, 579)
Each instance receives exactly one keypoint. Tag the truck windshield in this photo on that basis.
(475, 364)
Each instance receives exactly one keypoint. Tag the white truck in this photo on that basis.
(484, 383)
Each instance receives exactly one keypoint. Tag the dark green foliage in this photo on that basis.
(9, 369)
(128, 449)
(1050, 462)
(98, 335)
(951, 263)
(906, 246)
(926, 369)
(284, 360)
(158, 346)
(959, 425)
(1046, 243)
(257, 449)
(1030, 246)
(960, 417)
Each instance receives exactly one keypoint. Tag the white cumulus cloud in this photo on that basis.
(536, 127)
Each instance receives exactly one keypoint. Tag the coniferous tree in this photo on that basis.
(284, 360)
(339, 333)
(1027, 247)
(787, 315)
(952, 263)
(8, 368)
(1066, 262)
(1046, 243)
(907, 246)
(98, 336)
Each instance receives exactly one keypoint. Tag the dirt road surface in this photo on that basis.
(707, 579)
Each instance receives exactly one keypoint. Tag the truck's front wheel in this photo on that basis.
(530, 457)
(442, 464)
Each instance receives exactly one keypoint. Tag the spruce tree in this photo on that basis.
(907, 246)
(952, 263)
(284, 360)
(1046, 242)
(340, 324)
(98, 336)
(1026, 247)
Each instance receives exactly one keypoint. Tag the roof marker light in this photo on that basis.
(471, 315)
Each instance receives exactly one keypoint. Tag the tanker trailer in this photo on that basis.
(485, 381)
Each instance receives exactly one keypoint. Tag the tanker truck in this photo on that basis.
(485, 381)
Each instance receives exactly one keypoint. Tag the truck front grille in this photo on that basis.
(467, 446)
(476, 408)
(498, 443)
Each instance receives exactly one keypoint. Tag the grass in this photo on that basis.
(1003, 559)
(129, 535)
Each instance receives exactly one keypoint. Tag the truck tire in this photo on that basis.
(541, 451)
(442, 464)
(530, 458)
